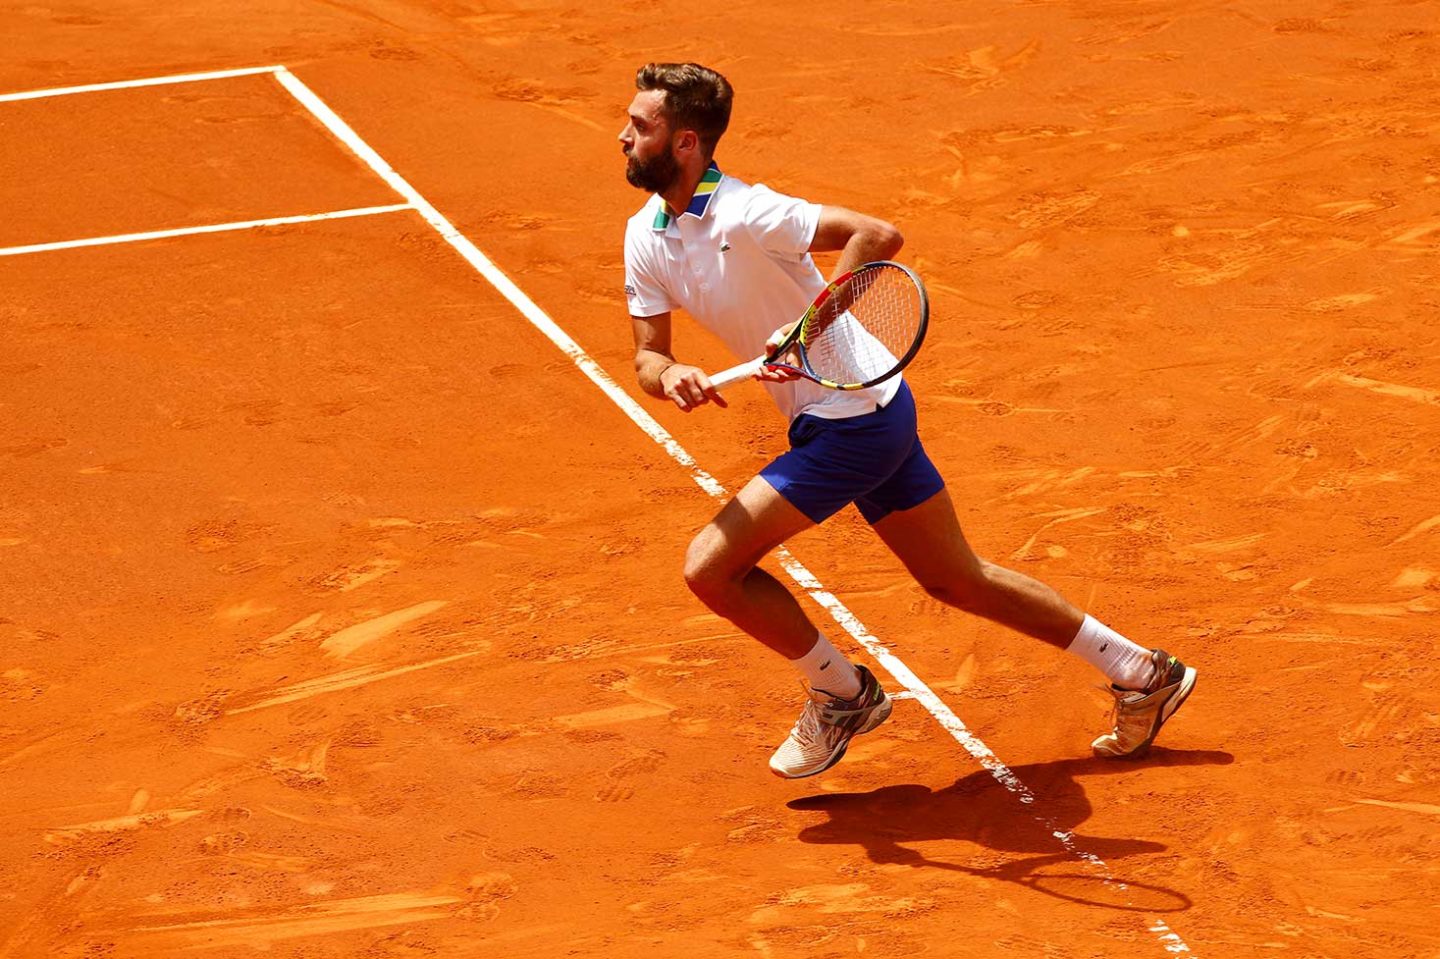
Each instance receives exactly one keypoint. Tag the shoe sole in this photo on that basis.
(1171, 707)
(881, 713)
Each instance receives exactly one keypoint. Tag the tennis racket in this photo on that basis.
(863, 328)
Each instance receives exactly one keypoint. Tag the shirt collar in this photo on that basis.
(699, 203)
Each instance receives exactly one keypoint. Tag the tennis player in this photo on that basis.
(737, 258)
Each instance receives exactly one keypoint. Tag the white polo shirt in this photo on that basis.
(738, 261)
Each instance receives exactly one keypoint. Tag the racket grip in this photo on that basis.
(737, 374)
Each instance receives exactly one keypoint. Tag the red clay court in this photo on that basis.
(340, 596)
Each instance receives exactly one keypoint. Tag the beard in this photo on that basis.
(656, 174)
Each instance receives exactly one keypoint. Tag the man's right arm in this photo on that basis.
(655, 366)
(659, 373)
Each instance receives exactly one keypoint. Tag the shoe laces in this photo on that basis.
(1131, 724)
(1120, 716)
(810, 725)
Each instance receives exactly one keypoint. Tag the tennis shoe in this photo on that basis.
(1139, 713)
(826, 726)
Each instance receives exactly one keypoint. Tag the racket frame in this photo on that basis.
(796, 339)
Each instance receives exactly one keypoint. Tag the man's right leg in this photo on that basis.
(927, 538)
(1148, 685)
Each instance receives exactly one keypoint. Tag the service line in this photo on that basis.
(130, 84)
(207, 228)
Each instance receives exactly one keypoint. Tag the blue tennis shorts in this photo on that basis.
(874, 461)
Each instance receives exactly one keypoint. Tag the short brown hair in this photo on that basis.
(696, 98)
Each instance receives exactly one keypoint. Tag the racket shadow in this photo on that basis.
(978, 811)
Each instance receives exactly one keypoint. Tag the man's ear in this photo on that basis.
(687, 141)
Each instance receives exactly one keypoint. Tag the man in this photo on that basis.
(737, 258)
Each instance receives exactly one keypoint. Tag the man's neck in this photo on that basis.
(678, 197)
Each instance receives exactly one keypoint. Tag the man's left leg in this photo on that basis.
(1148, 685)
(720, 569)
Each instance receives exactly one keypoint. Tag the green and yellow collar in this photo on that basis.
(699, 203)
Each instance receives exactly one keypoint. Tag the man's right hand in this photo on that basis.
(688, 387)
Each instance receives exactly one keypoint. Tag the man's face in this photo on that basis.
(646, 141)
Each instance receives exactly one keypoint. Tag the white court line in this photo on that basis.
(1165, 936)
(210, 228)
(128, 84)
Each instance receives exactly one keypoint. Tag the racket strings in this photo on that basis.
(860, 333)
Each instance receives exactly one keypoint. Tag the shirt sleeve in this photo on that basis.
(781, 224)
(644, 292)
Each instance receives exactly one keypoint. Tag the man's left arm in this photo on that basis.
(859, 238)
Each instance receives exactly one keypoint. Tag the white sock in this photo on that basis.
(1126, 664)
(827, 669)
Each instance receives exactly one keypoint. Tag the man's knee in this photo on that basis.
(705, 571)
(967, 588)
(951, 594)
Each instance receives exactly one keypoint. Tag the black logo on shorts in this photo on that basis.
(629, 290)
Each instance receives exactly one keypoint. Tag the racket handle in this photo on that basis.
(737, 374)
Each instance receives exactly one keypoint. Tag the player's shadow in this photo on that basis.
(979, 810)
